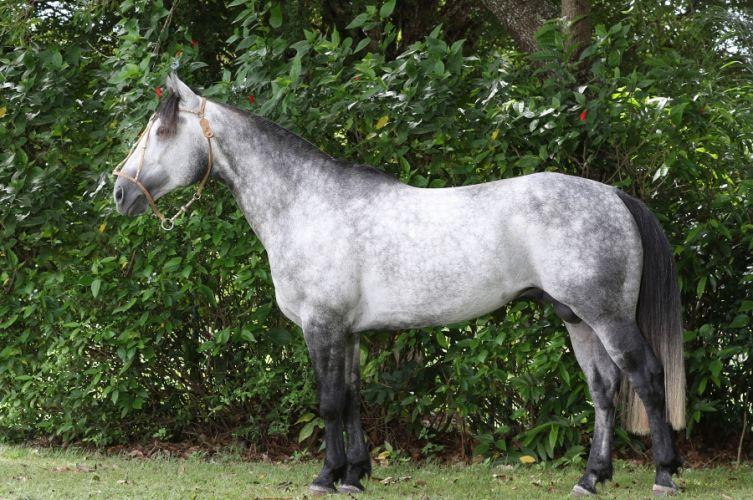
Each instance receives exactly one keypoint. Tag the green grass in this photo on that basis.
(43, 473)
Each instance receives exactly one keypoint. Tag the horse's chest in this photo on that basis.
(309, 282)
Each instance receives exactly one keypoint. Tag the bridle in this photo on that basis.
(168, 223)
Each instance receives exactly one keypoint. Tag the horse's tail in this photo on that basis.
(659, 317)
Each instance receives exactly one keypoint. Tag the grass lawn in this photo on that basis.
(43, 473)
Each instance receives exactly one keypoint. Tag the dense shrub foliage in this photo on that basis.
(112, 330)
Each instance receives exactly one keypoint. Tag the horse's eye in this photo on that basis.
(163, 131)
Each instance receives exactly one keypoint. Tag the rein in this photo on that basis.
(168, 223)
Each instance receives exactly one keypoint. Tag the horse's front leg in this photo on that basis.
(359, 462)
(327, 345)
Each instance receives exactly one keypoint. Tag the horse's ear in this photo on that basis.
(187, 96)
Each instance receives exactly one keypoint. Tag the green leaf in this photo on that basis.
(280, 336)
(363, 43)
(95, 286)
(306, 431)
(442, 339)
(740, 321)
(701, 287)
(529, 162)
(295, 68)
(382, 122)
(207, 292)
(387, 9)
(677, 111)
(171, 265)
(275, 16)
(247, 336)
(359, 21)
(125, 306)
(553, 432)
(57, 59)
(307, 417)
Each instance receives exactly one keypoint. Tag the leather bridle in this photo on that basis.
(168, 223)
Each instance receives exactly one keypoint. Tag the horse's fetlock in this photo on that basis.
(356, 472)
(604, 474)
(601, 469)
(331, 474)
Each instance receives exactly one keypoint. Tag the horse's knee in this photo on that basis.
(331, 404)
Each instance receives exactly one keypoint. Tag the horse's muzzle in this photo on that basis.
(129, 200)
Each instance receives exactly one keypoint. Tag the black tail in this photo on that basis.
(659, 317)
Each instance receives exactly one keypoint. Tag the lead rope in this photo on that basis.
(169, 223)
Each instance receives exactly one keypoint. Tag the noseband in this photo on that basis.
(168, 223)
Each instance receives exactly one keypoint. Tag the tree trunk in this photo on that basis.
(521, 18)
(577, 17)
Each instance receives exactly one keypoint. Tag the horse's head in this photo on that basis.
(172, 152)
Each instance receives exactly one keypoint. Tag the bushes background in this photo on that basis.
(113, 331)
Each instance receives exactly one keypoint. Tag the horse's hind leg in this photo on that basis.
(359, 462)
(603, 378)
(631, 352)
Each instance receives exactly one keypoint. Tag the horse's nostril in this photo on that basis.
(119, 194)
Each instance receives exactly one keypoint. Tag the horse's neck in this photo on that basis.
(267, 168)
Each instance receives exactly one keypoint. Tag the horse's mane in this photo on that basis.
(303, 144)
(167, 112)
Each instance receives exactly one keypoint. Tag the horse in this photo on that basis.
(352, 250)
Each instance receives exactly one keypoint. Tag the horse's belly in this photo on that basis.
(431, 301)
(445, 271)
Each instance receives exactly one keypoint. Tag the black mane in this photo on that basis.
(167, 112)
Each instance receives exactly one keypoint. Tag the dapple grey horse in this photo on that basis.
(351, 250)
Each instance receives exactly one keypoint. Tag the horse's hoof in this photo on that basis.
(318, 489)
(349, 488)
(664, 491)
(580, 491)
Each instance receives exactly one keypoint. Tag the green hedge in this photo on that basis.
(112, 330)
